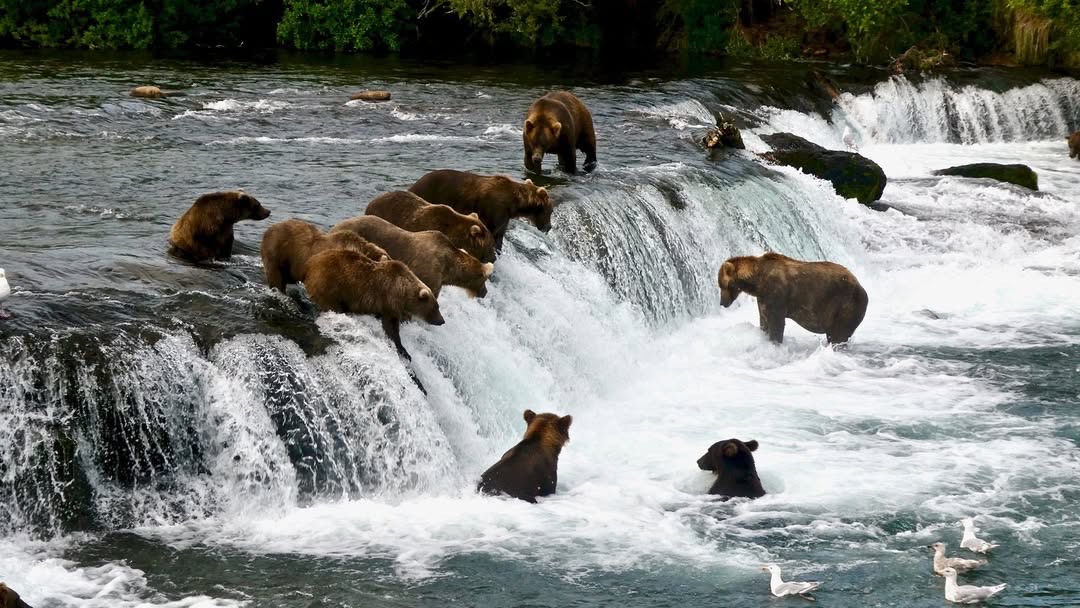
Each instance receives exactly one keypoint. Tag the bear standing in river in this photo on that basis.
(205, 231)
(822, 297)
(495, 199)
(348, 281)
(1074, 145)
(408, 211)
(530, 468)
(559, 122)
(287, 246)
(429, 254)
(736, 474)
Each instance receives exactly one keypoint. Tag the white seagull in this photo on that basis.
(5, 291)
(957, 563)
(970, 542)
(966, 594)
(780, 588)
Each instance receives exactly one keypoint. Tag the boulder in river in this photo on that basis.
(852, 175)
(371, 96)
(1021, 175)
(149, 91)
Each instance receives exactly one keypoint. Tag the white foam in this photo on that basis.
(688, 114)
(262, 106)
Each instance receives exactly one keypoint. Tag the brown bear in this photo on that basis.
(494, 199)
(822, 297)
(429, 254)
(558, 122)
(736, 473)
(1074, 145)
(205, 231)
(343, 280)
(148, 91)
(530, 468)
(287, 246)
(408, 211)
(10, 599)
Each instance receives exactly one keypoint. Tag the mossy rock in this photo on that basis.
(1020, 175)
(852, 175)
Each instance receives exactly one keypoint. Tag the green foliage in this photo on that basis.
(1053, 22)
(526, 22)
(342, 25)
(705, 25)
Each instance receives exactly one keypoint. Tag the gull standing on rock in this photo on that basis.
(970, 542)
(780, 588)
(966, 594)
(957, 563)
(5, 291)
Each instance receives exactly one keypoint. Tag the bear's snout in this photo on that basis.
(262, 213)
(436, 318)
(703, 463)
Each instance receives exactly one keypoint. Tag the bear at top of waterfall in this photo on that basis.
(530, 468)
(429, 254)
(1074, 145)
(494, 198)
(409, 211)
(205, 231)
(560, 123)
(736, 474)
(347, 281)
(287, 246)
(822, 297)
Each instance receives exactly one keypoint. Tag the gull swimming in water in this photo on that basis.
(5, 291)
(970, 542)
(957, 563)
(780, 588)
(966, 594)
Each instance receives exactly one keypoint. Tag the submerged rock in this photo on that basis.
(371, 96)
(852, 175)
(1021, 175)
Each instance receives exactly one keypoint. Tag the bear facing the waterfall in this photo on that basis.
(287, 246)
(1074, 145)
(736, 474)
(205, 231)
(822, 297)
(530, 468)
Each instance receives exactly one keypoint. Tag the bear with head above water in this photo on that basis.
(822, 297)
(736, 474)
(205, 231)
(530, 468)
(409, 211)
(496, 199)
(347, 281)
(287, 246)
(559, 122)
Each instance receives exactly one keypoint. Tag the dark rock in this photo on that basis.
(1020, 175)
(852, 175)
(371, 96)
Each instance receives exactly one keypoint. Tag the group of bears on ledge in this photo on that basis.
(393, 261)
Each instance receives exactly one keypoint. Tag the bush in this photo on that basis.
(342, 25)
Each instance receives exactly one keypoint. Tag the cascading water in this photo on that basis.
(221, 445)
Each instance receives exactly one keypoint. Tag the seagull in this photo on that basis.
(5, 291)
(780, 588)
(970, 542)
(966, 594)
(956, 563)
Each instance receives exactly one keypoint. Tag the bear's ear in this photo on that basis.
(729, 450)
(476, 231)
(474, 215)
(384, 258)
(488, 269)
(564, 425)
(556, 129)
(425, 294)
(529, 181)
(529, 416)
(541, 190)
(751, 445)
(529, 126)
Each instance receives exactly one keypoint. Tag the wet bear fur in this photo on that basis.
(347, 281)
(429, 254)
(561, 124)
(409, 211)
(822, 297)
(10, 599)
(495, 199)
(205, 231)
(287, 246)
(530, 468)
(733, 462)
(1074, 145)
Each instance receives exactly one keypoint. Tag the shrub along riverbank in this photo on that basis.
(936, 32)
